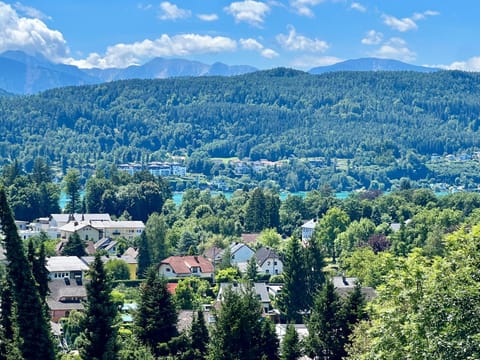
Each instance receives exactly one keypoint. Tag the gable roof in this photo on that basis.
(264, 253)
(250, 238)
(237, 246)
(183, 264)
(132, 252)
(64, 218)
(310, 224)
(76, 226)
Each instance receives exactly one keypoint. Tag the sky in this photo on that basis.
(300, 34)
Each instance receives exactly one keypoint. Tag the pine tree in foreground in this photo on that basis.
(33, 326)
(156, 318)
(98, 339)
(199, 335)
(290, 349)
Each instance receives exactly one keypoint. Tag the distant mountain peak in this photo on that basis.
(371, 64)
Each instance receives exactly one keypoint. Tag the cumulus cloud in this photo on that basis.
(304, 7)
(357, 6)
(208, 17)
(249, 11)
(123, 55)
(30, 35)
(395, 48)
(472, 64)
(254, 45)
(309, 62)
(294, 42)
(407, 23)
(171, 11)
(372, 37)
(30, 11)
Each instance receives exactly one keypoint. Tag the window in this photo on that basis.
(274, 263)
(268, 263)
(194, 269)
(167, 269)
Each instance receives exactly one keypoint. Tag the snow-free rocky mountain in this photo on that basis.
(25, 74)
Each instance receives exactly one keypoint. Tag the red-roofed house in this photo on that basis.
(185, 266)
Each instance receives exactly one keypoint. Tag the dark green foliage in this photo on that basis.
(252, 273)
(98, 339)
(314, 275)
(144, 257)
(290, 348)
(199, 337)
(117, 269)
(74, 246)
(238, 332)
(7, 322)
(33, 327)
(326, 326)
(72, 189)
(40, 272)
(156, 318)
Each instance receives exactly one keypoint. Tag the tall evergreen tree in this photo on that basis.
(98, 340)
(269, 343)
(292, 299)
(252, 274)
(255, 214)
(290, 349)
(237, 333)
(8, 338)
(33, 326)
(144, 256)
(326, 326)
(156, 318)
(314, 276)
(74, 246)
(71, 184)
(199, 336)
(40, 272)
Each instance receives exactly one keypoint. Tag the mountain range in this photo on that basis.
(25, 74)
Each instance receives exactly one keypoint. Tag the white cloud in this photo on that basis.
(407, 23)
(30, 11)
(357, 6)
(294, 42)
(123, 55)
(472, 64)
(252, 44)
(172, 12)
(249, 11)
(208, 17)
(30, 35)
(372, 37)
(269, 53)
(304, 7)
(395, 48)
(309, 62)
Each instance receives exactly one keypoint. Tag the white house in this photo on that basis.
(185, 266)
(268, 261)
(307, 230)
(83, 228)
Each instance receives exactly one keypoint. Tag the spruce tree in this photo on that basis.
(314, 275)
(144, 256)
(33, 326)
(98, 339)
(326, 326)
(268, 340)
(292, 299)
(156, 318)
(74, 246)
(251, 274)
(290, 349)
(199, 336)
(40, 272)
(8, 338)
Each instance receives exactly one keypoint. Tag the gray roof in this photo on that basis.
(128, 259)
(259, 288)
(264, 253)
(63, 218)
(60, 293)
(237, 246)
(345, 285)
(65, 263)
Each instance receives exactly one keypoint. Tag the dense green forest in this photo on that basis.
(383, 125)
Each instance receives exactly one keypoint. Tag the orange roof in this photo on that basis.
(171, 288)
(183, 264)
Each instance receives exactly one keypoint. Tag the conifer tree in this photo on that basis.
(251, 274)
(326, 326)
(314, 275)
(268, 340)
(199, 336)
(40, 272)
(156, 318)
(290, 349)
(33, 327)
(292, 299)
(74, 246)
(144, 256)
(8, 338)
(98, 339)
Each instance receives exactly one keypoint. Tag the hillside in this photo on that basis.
(371, 64)
(372, 118)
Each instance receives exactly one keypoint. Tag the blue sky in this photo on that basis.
(295, 33)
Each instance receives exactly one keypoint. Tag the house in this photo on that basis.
(260, 290)
(131, 251)
(250, 238)
(213, 254)
(307, 230)
(114, 229)
(83, 228)
(58, 220)
(345, 285)
(268, 261)
(240, 253)
(107, 244)
(66, 286)
(185, 266)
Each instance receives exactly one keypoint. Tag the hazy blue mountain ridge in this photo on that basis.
(371, 64)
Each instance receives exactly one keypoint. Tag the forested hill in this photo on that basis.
(271, 114)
